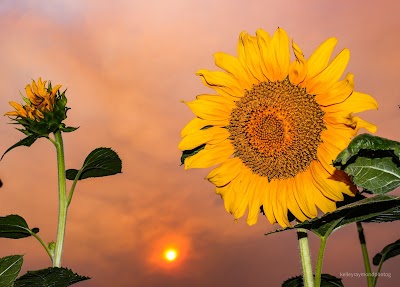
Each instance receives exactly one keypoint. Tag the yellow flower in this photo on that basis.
(40, 99)
(274, 127)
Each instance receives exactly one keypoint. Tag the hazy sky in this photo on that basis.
(127, 65)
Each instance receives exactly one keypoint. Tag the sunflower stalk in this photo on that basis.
(62, 199)
(318, 269)
(305, 257)
(364, 250)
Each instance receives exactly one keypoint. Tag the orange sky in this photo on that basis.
(127, 65)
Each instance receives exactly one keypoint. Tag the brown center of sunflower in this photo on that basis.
(275, 129)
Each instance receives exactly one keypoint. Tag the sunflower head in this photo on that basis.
(274, 126)
(43, 110)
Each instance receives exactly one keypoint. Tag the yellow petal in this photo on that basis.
(197, 124)
(276, 56)
(207, 110)
(322, 179)
(298, 69)
(355, 103)
(232, 65)
(226, 172)
(359, 123)
(319, 60)
(303, 197)
(256, 189)
(338, 93)
(293, 205)
(321, 83)
(241, 184)
(267, 204)
(324, 204)
(279, 202)
(210, 156)
(263, 41)
(55, 89)
(249, 56)
(212, 135)
(221, 81)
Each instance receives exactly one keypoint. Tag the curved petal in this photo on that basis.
(207, 110)
(355, 103)
(279, 198)
(319, 60)
(226, 172)
(263, 41)
(233, 66)
(276, 56)
(210, 156)
(293, 205)
(212, 136)
(242, 192)
(339, 92)
(305, 200)
(256, 194)
(249, 56)
(197, 124)
(266, 202)
(223, 83)
(321, 83)
(298, 69)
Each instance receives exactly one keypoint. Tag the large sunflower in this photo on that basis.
(274, 127)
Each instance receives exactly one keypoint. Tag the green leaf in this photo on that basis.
(28, 141)
(372, 162)
(388, 216)
(100, 162)
(68, 129)
(388, 252)
(14, 226)
(49, 277)
(326, 281)
(10, 267)
(192, 152)
(358, 211)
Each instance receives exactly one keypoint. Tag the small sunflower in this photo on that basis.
(274, 128)
(40, 99)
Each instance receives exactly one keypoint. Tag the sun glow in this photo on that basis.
(170, 254)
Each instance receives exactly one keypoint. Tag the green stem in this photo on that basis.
(365, 254)
(71, 192)
(43, 244)
(62, 200)
(305, 257)
(318, 269)
(379, 270)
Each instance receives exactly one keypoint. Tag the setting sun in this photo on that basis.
(170, 254)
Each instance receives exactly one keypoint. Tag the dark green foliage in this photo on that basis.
(372, 162)
(10, 266)
(15, 227)
(100, 162)
(49, 277)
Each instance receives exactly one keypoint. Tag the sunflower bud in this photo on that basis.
(44, 109)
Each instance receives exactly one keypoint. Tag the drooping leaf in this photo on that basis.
(388, 252)
(14, 226)
(192, 152)
(10, 266)
(28, 141)
(326, 281)
(49, 277)
(388, 216)
(100, 162)
(293, 282)
(372, 162)
(68, 129)
(358, 211)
